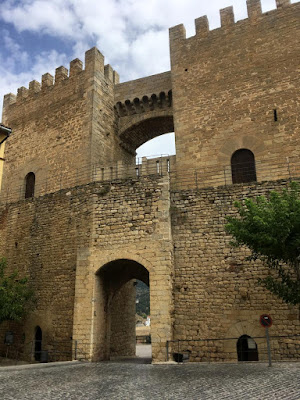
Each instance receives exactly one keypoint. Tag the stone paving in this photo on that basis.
(126, 380)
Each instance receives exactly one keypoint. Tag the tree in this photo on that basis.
(15, 295)
(270, 228)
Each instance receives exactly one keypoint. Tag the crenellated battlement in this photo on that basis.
(94, 62)
(227, 18)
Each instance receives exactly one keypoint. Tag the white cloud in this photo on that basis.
(44, 62)
(163, 145)
(16, 54)
(42, 16)
(132, 34)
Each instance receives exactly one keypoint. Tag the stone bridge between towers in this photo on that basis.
(144, 109)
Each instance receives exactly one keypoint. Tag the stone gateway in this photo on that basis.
(83, 221)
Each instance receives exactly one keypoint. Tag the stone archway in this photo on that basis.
(143, 128)
(91, 319)
(114, 323)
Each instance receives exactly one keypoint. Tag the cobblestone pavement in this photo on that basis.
(137, 381)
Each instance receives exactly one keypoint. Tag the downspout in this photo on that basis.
(5, 130)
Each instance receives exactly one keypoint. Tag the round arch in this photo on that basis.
(109, 257)
(243, 168)
(246, 348)
(125, 269)
(29, 185)
(140, 129)
(94, 294)
(115, 307)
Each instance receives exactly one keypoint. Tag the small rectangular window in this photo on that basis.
(275, 115)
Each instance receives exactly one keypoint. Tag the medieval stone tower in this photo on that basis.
(82, 220)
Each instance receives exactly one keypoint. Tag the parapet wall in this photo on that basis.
(227, 18)
(94, 60)
(99, 172)
(216, 290)
(138, 88)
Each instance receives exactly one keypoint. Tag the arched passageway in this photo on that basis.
(247, 349)
(115, 323)
(141, 130)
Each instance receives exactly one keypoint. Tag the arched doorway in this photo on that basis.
(38, 343)
(243, 166)
(247, 349)
(29, 185)
(115, 295)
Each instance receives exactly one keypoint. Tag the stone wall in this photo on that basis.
(226, 85)
(64, 241)
(131, 239)
(61, 127)
(122, 339)
(143, 87)
(81, 247)
(40, 238)
(216, 291)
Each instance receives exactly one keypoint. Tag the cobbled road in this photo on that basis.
(92, 381)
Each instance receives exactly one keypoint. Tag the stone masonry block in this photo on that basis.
(202, 26)
(227, 16)
(47, 80)
(75, 67)
(61, 73)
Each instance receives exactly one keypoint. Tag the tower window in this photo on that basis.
(29, 185)
(243, 166)
(275, 115)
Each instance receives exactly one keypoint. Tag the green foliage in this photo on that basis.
(15, 295)
(270, 228)
(143, 298)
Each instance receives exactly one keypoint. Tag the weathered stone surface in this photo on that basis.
(97, 221)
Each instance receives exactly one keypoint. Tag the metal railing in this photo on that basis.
(244, 174)
(209, 176)
(85, 175)
(44, 351)
(244, 348)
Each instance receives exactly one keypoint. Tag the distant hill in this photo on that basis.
(143, 299)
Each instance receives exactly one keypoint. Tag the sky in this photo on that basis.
(38, 36)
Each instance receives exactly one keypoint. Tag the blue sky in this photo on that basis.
(38, 36)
